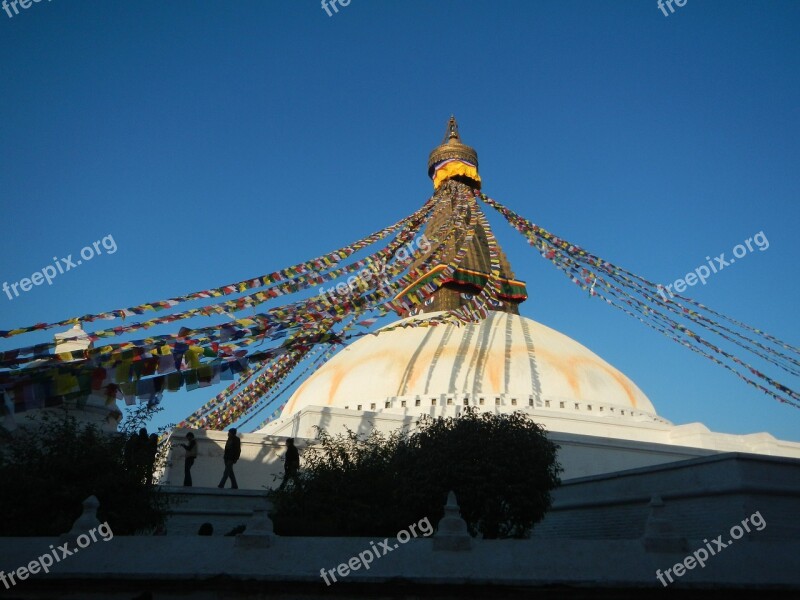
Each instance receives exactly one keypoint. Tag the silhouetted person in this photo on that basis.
(140, 453)
(291, 462)
(188, 461)
(206, 529)
(233, 449)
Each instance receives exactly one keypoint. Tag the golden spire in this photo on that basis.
(450, 148)
(453, 167)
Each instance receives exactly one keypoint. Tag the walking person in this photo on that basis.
(233, 449)
(188, 461)
(291, 463)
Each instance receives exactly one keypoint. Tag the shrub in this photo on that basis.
(50, 466)
(502, 468)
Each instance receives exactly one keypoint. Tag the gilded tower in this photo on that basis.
(453, 167)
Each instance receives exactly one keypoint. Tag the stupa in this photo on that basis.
(503, 363)
(494, 359)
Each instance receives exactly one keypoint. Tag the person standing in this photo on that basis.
(233, 449)
(291, 462)
(188, 461)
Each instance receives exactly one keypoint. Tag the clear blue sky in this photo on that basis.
(217, 141)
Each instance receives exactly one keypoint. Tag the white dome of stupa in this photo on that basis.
(504, 362)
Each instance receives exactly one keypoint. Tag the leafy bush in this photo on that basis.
(502, 468)
(50, 466)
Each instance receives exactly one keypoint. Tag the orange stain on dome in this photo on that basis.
(571, 366)
(298, 394)
(494, 367)
(336, 378)
(425, 364)
(574, 364)
(623, 382)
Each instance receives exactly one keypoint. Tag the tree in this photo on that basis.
(340, 487)
(502, 468)
(50, 466)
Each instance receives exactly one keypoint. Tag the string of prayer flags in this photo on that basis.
(642, 299)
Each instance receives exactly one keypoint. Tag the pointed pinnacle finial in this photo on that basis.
(452, 131)
(451, 147)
